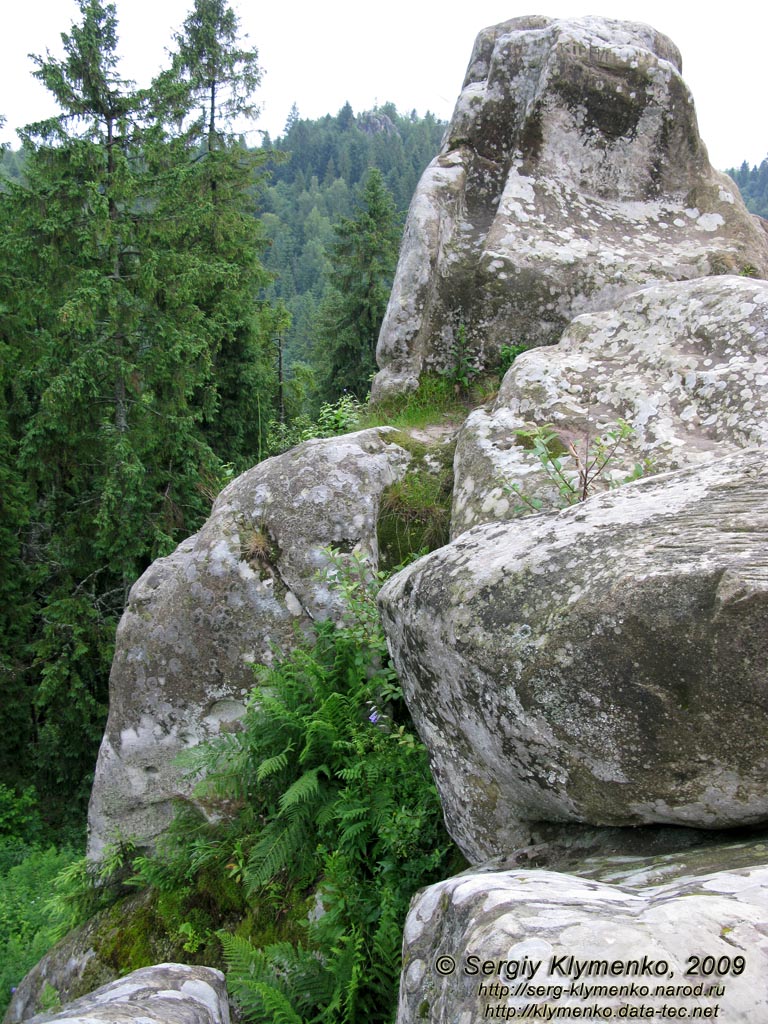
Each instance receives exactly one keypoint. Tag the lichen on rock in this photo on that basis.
(571, 173)
(603, 665)
(684, 364)
(197, 621)
(620, 934)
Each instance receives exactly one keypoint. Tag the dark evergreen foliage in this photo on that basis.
(129, 306)
(319, 184)
(753, 185)
(363, 257)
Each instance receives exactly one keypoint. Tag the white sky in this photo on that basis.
(410, 52)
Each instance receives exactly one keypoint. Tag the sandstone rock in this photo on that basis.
(72, 968)
(571, 173)
(536, 930)
(199, 619)
(103, 949)
(604, 665)
(164, 994)
(686, 364)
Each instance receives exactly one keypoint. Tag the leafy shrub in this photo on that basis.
(336, 805)
(340, 417)
(460, 370)
(591, 460)
(20, 821)
(509, 354)
(26, 929)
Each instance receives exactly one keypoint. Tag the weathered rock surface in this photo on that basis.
(199, 619)
(110, 945)
(73, 968)
(572, 172)
(164, 994)
(685, 364)
(557, 940)
(607, 664)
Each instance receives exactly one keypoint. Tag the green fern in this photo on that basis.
(281, 845)
(273, 765)
(304, 789)
(335, 798)
(278, 978)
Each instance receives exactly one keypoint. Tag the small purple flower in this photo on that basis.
(374, 716)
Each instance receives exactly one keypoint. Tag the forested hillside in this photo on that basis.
(753, 185)
(169, 300)
(335, 231)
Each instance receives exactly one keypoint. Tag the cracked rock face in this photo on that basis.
(604, 665)
(572, 173)
(197, 621)
(643, 918)
(685, 364)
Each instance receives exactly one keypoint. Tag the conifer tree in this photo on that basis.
(363, 259)
(212, 81)
(129, 278)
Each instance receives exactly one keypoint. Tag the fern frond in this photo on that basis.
(241, 957)
(318, 741)
(280, 844)
(275, 1006)
(303, 789)
(272, 765)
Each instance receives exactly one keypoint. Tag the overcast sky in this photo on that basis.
(410, 52)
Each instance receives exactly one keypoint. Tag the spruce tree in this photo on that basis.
(212, 81)
(363, 258)
(129, 279)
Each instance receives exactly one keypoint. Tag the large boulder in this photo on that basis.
(604, 665)
(197, 621)
(684, 364)
(675, 936)
(571, 173)
(163, 994)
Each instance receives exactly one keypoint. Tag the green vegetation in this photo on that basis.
(509, 354)
(435, 401)
(26, 928)
(30, 872)
(415, 512)
(133, 363)
(363, 258)
(753, 185)
(322, 821)
(461, 371)
(319, 184)
(590, 457)
(169, 316)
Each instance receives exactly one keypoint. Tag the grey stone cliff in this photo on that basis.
(572, 173)
(249, 582)
(685, 364)
(603, 665)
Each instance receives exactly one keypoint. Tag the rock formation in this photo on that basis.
(603, 665)
(572, 173)
(198, 620)
(164, 994)
(591, 679)
(685, 364)
(682, 932)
